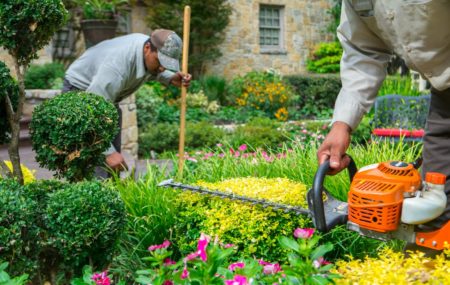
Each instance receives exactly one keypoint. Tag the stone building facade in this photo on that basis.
(296, 26)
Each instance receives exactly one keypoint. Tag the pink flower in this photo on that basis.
(191, 256)
(168, 262)
(262, 262)
(235, 265)
(219, 145)
(101, 278)
(165, 244)
(320, 262)
(201, 246)
(168, 282)
(271, 268)
(185, 273)
(303, 233)
(238, 280)
(243, 147)
(228, 245)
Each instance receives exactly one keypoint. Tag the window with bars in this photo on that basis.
(270, 26)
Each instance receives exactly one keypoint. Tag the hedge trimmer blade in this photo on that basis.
(264, 203)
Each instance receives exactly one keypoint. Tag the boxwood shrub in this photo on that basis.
(71, 131)
(52, 227)
(18, 229)
(85, 221)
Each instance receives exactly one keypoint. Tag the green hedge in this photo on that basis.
(43, 76)
(52, 227)
(316, 95)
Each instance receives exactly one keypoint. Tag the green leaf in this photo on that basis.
(317, 279)
(144, 280)
(321, 251)
(289, 243)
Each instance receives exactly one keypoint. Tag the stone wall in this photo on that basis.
(305, 24)
(129, 118)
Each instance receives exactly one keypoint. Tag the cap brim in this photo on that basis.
(168, 62)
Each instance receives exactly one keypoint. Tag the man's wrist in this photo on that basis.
(341, 126)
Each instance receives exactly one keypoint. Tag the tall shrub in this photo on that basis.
(26, 27)
(71, 131)
(209, 18)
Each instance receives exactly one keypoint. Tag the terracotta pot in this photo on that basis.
(96, 31)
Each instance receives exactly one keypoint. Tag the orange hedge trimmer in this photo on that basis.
(386, 201)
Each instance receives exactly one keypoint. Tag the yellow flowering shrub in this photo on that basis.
(254, 229)
(264, 91)
(394, 268)
(28, 175)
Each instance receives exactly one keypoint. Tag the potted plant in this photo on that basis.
(99, 19)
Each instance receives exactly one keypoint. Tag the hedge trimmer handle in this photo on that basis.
(334, 209)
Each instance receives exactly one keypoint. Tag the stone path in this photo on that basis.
(27, 156)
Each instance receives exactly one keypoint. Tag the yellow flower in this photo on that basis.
(28, 175)
(281, 114)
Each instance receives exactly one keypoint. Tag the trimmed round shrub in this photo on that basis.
(27, 26)
(71, 131)
(18, 231)
(85, 221)
(8, 87)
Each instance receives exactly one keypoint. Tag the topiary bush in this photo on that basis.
(8, 87)
(18, 228)
(43, 76)
(71, 131)
(27, 26)
(85, 221)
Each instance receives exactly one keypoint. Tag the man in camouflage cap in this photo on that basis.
(116, 68)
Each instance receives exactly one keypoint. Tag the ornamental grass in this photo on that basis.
(395, 268)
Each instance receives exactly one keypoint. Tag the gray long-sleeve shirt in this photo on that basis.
(371, 30)
(114, 69)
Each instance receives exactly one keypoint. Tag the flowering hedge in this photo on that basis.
(252, 228)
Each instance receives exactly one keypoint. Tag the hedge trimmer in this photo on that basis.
(386, 201)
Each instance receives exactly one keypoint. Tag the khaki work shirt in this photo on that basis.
(371, 30)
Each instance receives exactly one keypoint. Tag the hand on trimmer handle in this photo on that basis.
(315, 195)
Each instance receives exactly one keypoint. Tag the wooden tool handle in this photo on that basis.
(184, 69)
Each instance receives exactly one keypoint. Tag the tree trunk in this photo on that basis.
(14, 122)
(4, 170)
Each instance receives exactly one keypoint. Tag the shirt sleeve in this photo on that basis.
(363, 66)
(108, 83)
(165, 77)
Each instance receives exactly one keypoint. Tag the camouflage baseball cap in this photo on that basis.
(169, 47)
